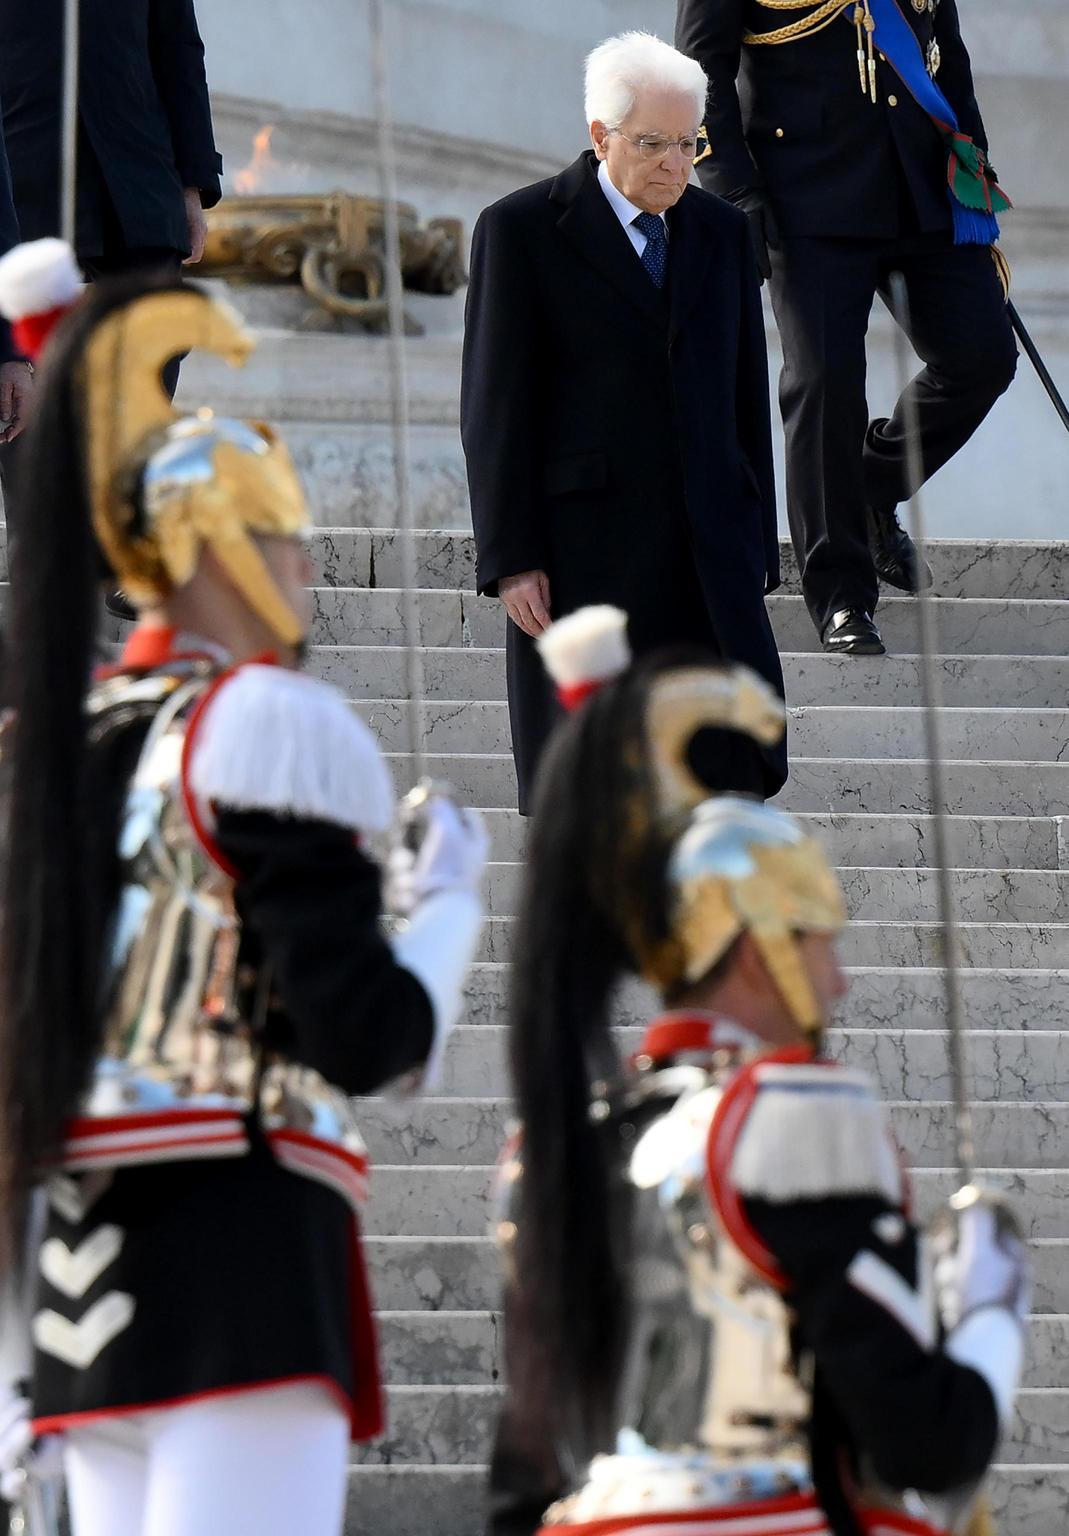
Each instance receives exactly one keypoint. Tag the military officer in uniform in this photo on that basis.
(851, 136)
(721, 1319)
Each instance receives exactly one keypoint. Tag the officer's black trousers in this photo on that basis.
(823, 292)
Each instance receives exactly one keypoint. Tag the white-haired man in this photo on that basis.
(615, 409)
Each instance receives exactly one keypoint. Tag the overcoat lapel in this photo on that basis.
(589, 224)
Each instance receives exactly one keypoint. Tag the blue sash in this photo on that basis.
(974, 200)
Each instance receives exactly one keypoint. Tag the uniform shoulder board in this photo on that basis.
(268, 739)
(803, 1130)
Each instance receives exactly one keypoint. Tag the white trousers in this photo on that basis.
(264, 1463)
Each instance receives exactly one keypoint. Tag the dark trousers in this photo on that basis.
(837, 465)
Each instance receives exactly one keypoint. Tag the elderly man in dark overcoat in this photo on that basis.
(615, 409)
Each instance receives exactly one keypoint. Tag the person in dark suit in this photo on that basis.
(843, 172)
(614, 402)
(147, 162)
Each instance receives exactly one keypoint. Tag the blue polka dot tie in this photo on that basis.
(655, 256)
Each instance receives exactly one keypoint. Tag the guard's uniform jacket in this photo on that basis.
(202, 1228)
(785, 1370)
(796, 122)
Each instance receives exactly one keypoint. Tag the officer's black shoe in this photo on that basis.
(894, 553)
(852, 633)
(119, 606)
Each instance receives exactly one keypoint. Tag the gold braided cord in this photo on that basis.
(805, 26)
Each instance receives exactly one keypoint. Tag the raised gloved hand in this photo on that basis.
(442, 847)
(981, 1261)
(764, 228)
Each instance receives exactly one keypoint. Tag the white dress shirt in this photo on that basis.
(626, 212)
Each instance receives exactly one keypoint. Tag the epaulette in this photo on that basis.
(267, 739)
(793, 1128)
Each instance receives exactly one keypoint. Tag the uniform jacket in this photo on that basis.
(616, 436)
(146, 130)
(791, 117)
(802, 1181)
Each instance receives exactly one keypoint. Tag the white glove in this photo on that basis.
(450, 855)
(983, 1278)
(16, 1437)
(988, 1266)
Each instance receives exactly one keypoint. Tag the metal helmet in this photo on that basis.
(743, 867)
(164, 486)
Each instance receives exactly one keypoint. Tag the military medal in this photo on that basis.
(920, 6)
(935, 58)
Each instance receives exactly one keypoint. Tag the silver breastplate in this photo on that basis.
(174, 1029)
(709, 1362)
(183, 1008)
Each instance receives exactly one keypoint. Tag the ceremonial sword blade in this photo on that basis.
(68, 179)
(932, 702)
(1035, 357)
(399, 411)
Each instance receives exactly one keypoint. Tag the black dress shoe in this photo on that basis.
(894, 553)
(119, 606)
(852, 633)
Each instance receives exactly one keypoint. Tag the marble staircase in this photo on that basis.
(856, 774)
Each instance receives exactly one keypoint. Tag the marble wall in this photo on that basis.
(487, 95)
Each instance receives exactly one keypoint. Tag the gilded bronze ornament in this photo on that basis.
(334, 246)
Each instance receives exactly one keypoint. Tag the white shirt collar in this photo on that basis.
(625, 211)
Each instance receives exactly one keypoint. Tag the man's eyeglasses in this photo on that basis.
(651, 146)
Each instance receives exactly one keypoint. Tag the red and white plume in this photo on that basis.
(39, 282)
(585, 650)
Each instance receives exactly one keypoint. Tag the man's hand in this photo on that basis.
(764, 230)
(198, 226)
(17, 385)
(526, 600)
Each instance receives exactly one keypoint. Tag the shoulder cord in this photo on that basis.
(806, 26)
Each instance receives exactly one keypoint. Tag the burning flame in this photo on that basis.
(252, 176)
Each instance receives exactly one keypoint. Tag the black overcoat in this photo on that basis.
(146, 128)
(618, 437)
(795, 122)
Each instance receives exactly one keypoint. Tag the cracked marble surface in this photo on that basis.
(434, 1425)
(450, 1201)
(973, 626)
(425, 1274)
(888, 786)
(434, 1348)
(890, 840)
(893, 895)
(864, 943)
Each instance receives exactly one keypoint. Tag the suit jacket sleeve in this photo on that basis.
(919, 1418)
(955, 73)
(178, 68)
(711, 31)
(500, 403)
(754, 412)
(311, 899)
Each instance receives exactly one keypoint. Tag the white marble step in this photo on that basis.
(895, 840)
(449, 1500)
(882, 996)
(353, 556)
(824, 731)
(454, 1200)
(981, 895)
(873, 786)
(1018, 945)
(466, 1129)
(465, 1349)
(445, 557)
(432, 1274)
(974, 626)
(429, 1424)
(1008, 1069)
(478, 673)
